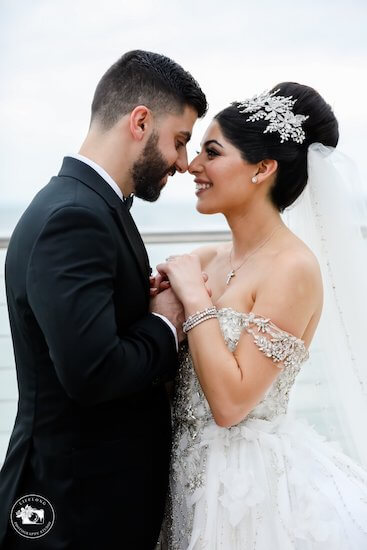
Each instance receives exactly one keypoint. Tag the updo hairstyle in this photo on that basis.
(254, 145)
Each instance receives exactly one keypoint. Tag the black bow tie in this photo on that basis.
(128, 201)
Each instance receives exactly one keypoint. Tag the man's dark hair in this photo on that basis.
(145, 78)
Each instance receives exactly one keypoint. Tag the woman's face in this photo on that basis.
(222, 177)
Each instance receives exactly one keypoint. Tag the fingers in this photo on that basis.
(164, 285)
(161, 268)
(153, 287)
(158, 283)
(158, 279)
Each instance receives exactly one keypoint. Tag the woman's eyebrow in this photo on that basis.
(212, 141)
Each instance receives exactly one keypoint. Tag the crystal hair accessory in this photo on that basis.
(278, 110)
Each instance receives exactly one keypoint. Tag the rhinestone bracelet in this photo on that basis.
(199, 317)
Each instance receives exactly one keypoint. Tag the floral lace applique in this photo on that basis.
(280, 346)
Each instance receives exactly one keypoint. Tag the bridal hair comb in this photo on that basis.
(278, 110)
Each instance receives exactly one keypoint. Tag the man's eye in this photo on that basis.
(179, 144)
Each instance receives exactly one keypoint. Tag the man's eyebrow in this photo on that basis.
(186, 134)
(212, 141)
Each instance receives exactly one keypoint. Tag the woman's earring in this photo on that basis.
(254, 179)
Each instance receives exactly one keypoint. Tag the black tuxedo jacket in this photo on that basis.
(92, 432)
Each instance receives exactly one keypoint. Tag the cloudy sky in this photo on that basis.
(53, 53)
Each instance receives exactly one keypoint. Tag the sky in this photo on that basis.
(54, 52)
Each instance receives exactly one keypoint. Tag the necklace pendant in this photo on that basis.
(229, 276)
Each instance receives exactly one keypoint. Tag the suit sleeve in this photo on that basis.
(70, 285)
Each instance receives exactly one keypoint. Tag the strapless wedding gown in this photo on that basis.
(268, 483)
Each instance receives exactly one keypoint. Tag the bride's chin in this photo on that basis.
(206, 209)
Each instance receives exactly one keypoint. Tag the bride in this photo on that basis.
(244, 475)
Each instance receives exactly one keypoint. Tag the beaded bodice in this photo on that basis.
(191, 409)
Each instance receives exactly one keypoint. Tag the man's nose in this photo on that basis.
(182, 163)
(180, 167)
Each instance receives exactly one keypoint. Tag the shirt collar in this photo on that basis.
(101, 172)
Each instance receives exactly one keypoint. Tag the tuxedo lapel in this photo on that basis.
(88, 176)
(129, 228)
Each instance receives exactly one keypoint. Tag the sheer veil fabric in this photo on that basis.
(331, 218)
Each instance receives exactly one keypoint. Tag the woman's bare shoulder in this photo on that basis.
(296, 265)
(299, 257)
(291, 294)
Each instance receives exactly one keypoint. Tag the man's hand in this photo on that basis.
(160, 282)
(186, 278)
(166, 303)
(157, 284)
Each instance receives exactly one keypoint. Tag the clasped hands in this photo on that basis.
(177, 287)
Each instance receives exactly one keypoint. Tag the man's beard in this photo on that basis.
(149, 170)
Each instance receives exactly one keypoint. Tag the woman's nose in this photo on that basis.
(194, 166)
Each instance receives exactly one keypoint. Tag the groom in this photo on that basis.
(87, 463)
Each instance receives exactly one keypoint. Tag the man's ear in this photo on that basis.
(139, 122)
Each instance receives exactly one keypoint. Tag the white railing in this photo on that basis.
(163, 237)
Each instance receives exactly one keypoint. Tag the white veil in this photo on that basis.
(331, 217)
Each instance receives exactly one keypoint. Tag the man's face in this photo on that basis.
(164, 153)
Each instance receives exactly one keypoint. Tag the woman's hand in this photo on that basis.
(187, 280)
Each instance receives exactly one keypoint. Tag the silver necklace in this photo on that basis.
(233, 271)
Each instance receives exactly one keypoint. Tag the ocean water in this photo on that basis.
(163, 215)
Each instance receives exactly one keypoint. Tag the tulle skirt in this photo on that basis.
(264, 485)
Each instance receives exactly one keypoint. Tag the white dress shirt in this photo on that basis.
(118, 192)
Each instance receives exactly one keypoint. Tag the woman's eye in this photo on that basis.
(211, 153)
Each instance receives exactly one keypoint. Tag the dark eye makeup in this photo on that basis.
(211, 153)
